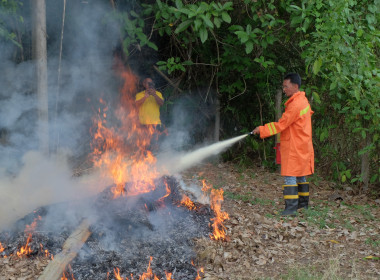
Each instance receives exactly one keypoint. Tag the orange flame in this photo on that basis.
(201, 270)
(186, 201)
(220, 216)
(122, 153)
(198, 275)
(149, 273)
(168, 192)
(71, 276)
(168, 276)
(32, 227)
(117, 274)
(46, 252)
(1, 248)
(25, 250)
(216, 199)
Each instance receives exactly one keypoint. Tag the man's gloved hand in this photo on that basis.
(256, 131)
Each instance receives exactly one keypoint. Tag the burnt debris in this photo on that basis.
(126, 232)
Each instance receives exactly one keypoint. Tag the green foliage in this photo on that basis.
(238, 51)
(341, 54)
(207, 40)
(243, 48)
(262, 34)
(8, 10)
(132, 30)
(199, 18)
(173, 64)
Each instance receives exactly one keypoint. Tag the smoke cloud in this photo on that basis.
(42, 181)
(29, 179)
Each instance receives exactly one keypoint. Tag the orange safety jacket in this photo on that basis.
(297, 153)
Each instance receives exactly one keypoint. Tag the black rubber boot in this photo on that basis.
(303, 193)
(291, 200)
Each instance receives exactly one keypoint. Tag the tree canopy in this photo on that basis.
(235, 53)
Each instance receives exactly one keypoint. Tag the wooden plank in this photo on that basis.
(70, 249)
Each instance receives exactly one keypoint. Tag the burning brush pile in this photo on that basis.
(143, 226)
(126, 235)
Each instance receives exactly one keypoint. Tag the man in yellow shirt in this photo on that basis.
(148, 103)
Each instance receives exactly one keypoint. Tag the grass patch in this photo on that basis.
(236, 196)
(364, 210)
(373, 242)
(315, 179)
(242, 177)
(262, 201)
(329, 271)
(319, 216)
(325, 214)
(349, 226)
(247, 197)
(217, 186)
(252, 175)
(301, 274)
(270, 216)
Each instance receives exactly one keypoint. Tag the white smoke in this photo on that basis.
(40, 182)
(29, 179)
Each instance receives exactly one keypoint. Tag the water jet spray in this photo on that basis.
(172, 164)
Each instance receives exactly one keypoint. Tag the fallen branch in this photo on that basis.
(167, 79)
(72, 245)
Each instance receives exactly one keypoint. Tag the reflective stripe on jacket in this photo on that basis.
(297, 153)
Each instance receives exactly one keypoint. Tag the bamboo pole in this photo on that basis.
(72, 245)
(39, 35)
(59, 75)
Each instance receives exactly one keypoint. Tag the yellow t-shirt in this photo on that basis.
(149, 111)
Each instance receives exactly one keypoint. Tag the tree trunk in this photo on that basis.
(365, 165)
(217, 119)
(40, 58)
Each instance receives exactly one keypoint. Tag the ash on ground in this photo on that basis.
(126, 232)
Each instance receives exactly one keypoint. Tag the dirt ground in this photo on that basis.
(339, 236)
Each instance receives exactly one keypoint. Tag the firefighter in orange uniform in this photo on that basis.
(297, 153)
